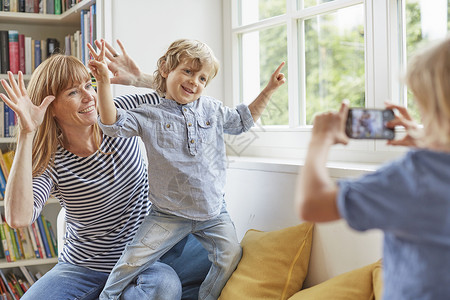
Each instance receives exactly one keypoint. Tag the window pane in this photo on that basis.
(424, 21)
(309, 3)
(334, 60)
(262, 52)
(255, 10)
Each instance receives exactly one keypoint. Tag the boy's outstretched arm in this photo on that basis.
(317, 193)
(99, 68)
(259, 104)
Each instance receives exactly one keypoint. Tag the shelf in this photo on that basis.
(69, 17)
(7, 140)
(26, 77)
(27, 262)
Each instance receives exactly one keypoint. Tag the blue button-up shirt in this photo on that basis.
(186, 151)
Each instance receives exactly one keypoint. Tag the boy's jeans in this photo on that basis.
(159, 232)
(160, 281)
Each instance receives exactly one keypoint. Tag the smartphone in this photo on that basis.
(363, 123)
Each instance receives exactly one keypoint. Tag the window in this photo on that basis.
(423, 22)
(334, 50)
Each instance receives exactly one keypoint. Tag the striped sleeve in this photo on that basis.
(132, 101)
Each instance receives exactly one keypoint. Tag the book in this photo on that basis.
(54, 240)
(25, 239)
(13, 243)
(45, 242)
(37, 53)
(21, 7)
(15, 285)
(8, 158)
(3, 166)
(37, 254)
(2, 117)
(6, 5)
(8, 241)
(50, 7)
(13, 36)
(4, 242)
(37, 237)
(22, 53)
(57, 7)
(8, 287)
(26, 273)
(43, 50)
(52, 46)
(18, 243)
(29, 6)
(4, 51)
(2, 185)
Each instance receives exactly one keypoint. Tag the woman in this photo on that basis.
(100, 181)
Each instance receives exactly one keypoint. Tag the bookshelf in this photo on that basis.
(40, 27)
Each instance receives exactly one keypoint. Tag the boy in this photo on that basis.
(185, 145)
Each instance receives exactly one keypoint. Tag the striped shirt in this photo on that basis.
(105, 196)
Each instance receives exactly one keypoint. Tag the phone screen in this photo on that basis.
(363, 123)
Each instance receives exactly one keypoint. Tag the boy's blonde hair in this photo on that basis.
(199, 53)
(428, 77)
(53, 76)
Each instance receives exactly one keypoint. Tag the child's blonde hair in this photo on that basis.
(52, 77)
(428, 77)
(179, 50)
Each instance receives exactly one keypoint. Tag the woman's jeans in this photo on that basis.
(177, 275)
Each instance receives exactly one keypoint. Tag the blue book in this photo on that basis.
(19, 249)
(11, 121)
(37, 53)
(44, 237)
(2, 184)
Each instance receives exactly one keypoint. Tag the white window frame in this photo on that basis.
(383, 70)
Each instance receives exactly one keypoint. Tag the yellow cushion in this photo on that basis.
(353, 285)
(377, 279)
(273, 266)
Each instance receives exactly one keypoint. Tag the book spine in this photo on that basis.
(14, 243)
(33, 242)
(8, 241)
(3, 167)
(29, 6)
(38, 239)
(2, 184)
(6, 282)
(18, 243)
(57, 7)
(22, 53)
(2, 119)
(13, 51)
(82, 35)
(4, 51)
(43, 237)
(6, 5)
(47, 237)
(6, 120)
(53, 238)
(28, 55)
(26, 243)
(37, 53)
(21, 5)
(4, 243)
(26, 274)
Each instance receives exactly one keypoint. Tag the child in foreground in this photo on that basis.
(184, 139)
(407, 199)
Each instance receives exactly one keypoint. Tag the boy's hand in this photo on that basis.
(98, 65)
(277, 79)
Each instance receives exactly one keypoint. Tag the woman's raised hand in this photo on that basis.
(30, 116)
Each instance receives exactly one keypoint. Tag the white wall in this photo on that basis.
(147, 27)
(261, 195)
